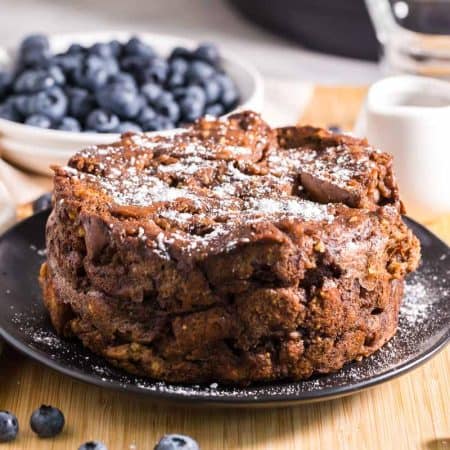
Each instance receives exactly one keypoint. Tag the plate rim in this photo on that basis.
(262, 400)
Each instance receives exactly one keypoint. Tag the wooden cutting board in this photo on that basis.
(408, 413)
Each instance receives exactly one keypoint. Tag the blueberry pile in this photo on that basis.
(114, 87)
(48, 422)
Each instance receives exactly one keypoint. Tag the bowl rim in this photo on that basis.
(85, 137)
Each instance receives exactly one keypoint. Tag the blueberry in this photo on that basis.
(116, 48)
(94, 71)
(123, 100)
(93, 445)
(31, 81)
(178, 65)
(166, 105)
(81, 102)
(102, 121)
(34, 57)
(9, 426)
(216, 110)
(47, 421)
(38, 120)
(122, 78)
(101, 49)
(42, 203)
(175, 79)
(212, 89)
(134, 64)
(69, 124)
(199, 71)
(151, 91)
(125, 127)
(207, 52)
(176, 442)
(159, 123)
(57, 74)
(146, 114)
(230, 95)
(75, 49)
(135, 47)
(180, 52)
(177, 74)
(51, 103)
(335, 128)
(22, 104)
(6, 79)
(156, 71)
(68, 62)
(9, 111)
(195, 92)
(35, 41)
(230, 99)
(191, 109)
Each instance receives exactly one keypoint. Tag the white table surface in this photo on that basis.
(199, 19)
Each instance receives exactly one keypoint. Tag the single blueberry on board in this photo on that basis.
(177, 442)
(9, 426)
(38, 120)
(47, 421)
(93, 445)
(42, 203)
(102, 121)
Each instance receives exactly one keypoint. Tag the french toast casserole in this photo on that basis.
(228, 251)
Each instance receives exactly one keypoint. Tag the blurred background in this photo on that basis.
(272, 35)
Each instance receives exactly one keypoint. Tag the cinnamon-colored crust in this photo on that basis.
(228, 252)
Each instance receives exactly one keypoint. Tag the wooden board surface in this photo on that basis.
(411, 412)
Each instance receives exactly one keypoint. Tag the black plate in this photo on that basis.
(424, 329)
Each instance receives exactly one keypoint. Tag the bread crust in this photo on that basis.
(228, 252)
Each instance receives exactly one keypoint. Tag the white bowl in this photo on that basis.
(36, 149)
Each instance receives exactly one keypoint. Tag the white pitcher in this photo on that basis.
(409, 117)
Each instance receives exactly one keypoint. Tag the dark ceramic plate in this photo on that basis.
(424, 329)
